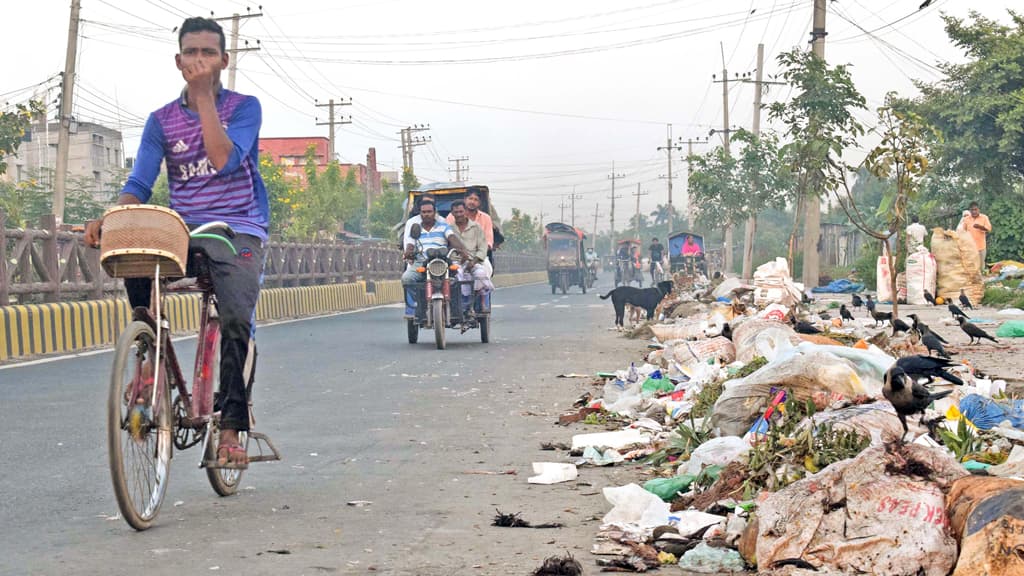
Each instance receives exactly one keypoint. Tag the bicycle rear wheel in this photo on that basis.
(139, 433)
(224, 481)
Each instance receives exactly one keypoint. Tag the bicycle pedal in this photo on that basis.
(264, 448)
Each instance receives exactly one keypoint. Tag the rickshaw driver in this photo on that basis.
(434, 234)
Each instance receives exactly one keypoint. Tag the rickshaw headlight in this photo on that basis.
(437, 267)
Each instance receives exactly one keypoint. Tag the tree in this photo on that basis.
(762, 167)
(714, 191)
(13, 126)
(661, 214)
(820, 125)
(409, 180)
(979, 110)
(521, 232)
(902, 157)
(385, 212)
(282, 192)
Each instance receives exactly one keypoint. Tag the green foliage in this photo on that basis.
(819, 120)
(385, 212)
(521, 232)
(282, 192)
(792, 449)
(161, 195)
(706, 398)
(866, 264)
(1001, 296)
(409, 180)
(979, 110)
(962, 442)
(328, 201)
(13, 126)
(26, 201)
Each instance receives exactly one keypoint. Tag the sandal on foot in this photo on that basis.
(232, 456)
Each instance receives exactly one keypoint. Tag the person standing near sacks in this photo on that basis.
(915, 235)
(978, 225)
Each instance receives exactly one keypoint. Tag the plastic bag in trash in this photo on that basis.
(804, 374)
(552, 473)
(746, 335)
(634, 508)
(850, 516)
(667, 488)
(716, 451)
(1011, 329)
(987, 515)
(704, 559)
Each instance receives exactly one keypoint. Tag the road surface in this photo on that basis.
(360, 415)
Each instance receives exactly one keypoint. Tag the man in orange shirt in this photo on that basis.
(978, 225)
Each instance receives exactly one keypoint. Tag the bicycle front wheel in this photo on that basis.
(139, 431)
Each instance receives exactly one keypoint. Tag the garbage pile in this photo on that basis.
(764, 449)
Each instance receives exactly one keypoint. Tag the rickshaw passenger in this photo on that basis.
(476, 266)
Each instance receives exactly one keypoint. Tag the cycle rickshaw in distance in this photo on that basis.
(566, 259)
(687, 253)
(625, 271)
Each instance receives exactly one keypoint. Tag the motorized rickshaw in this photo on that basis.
(566, 258)
(687, 253)
(443, 301)
(627, 268)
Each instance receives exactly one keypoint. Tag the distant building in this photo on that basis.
(393, 180)
(290, 152)
(96, 155)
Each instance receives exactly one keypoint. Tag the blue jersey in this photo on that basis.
(436, 237)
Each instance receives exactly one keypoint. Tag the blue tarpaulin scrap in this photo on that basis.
(841, 286)
(986, 413)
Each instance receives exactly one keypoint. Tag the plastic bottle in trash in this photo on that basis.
(613, 391)
(633, 375)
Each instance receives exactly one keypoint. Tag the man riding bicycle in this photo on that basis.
(208, 136)
(657, 252)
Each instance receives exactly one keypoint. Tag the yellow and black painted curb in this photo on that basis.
(34, 329)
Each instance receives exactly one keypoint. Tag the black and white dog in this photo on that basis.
(646, 298)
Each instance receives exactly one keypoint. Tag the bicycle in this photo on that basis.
(144, 425)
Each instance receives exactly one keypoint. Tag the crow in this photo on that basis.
(931, 342)
(929, 298)
(880, 316)
(727, 331)
(907, 396)
(869, 303)
(899, 326)
(956, 311)
(965, 301)
(856, 301)
(922, 328)
(928, 367)
(804, 327)
(845, 314)
(973, 331)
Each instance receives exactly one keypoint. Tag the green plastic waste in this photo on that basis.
(653, 386)
(1011, 329)
(667, 488)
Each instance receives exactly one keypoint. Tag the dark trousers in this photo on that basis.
(236, 284)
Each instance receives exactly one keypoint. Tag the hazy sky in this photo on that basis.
(541, 96)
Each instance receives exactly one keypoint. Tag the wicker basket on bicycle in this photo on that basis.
(137, 237)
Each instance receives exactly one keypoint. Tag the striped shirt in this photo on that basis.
(436, 237)
(199, 192)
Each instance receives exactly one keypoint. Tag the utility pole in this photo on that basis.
(725, 144)
(574, 198)
(67, 93)
(562, 206)
(458, 167)
(689, 152)
(750, 229)
(638, 194)
(812, 204)
(410, 142)
(234, 50)
(613, 177)
(669, 148)
(540, 218)
(332, 122)
(597, 214)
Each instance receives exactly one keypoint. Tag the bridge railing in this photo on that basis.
(47, 264)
